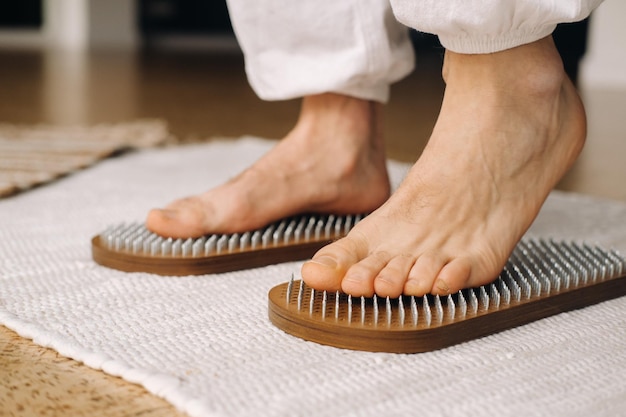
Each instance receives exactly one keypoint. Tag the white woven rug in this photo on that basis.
(205, 343)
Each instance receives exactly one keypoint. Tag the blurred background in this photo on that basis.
(67, 62)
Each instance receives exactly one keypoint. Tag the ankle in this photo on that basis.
(536, 69)
(338, 113)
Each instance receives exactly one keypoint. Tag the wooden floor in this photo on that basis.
(204, 95)
(201, 95)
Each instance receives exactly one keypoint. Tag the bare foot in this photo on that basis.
(333, 161)
(511, 124)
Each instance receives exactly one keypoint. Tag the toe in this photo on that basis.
(391, 280)
(163, 222)
(359, 279)
(181, 219)
(423, 274)
(329, 265)
(454, 276)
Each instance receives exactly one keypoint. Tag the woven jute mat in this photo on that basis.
(34, 155)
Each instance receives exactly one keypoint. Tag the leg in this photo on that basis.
(353, 49)
(511, 124)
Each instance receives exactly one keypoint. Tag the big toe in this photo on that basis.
(327, 268)
(322, 273)
(180, 220)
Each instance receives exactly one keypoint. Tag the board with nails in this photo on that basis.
(541, 278)
(133, 248)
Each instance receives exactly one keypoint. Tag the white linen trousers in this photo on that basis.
(358, 48)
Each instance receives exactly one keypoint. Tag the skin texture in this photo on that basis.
(510, 125)
(298, 174)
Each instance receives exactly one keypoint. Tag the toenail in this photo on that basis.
(442, 285)
(326, 261)
(170, 214)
